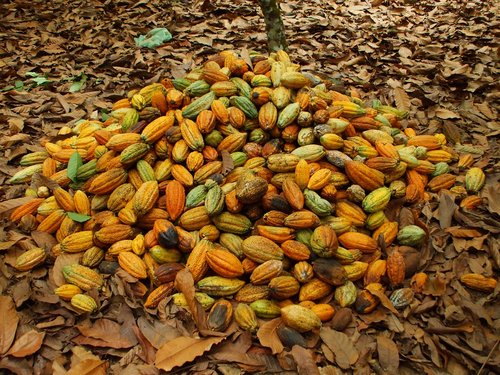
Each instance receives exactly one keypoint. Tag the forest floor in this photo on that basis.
(64, 61)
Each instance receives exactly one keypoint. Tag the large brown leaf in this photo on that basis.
(388, 354)
(184, 283)
(8, 323)
(27, 344)
(183, 350)
(268, 335)
(340, 344)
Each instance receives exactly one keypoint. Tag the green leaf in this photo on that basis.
(80, 218)
(75, 162)
(40, 80)
(79, 82)
(31, 74)
(19, 85)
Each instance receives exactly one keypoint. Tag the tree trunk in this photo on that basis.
(275, 29)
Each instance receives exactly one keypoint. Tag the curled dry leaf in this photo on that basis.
(8, 323)
(183, 350)
(268, 335)
(339, 343)
(27, 344)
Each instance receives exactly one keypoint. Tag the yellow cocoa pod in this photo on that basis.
(300, 318)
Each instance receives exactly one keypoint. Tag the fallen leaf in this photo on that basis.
(184, 283)
(463, 232)
(388, 354)
(402, 99)
(340, 344)
(105, 333)
(268, 335)
(445, 114)
(304, 361)
(27, 344)
(84, 362)
(8, 323)
(183, 350)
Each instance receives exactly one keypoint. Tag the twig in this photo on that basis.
(488, 357)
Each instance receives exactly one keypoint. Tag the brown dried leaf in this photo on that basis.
(304, 360)
(184, 283)
(103, 333)
(463, 232)
(27, 344)
(183, 350)
(8, 323)
(156, 332)
(84, 362)
(340, 344)
(388, 354)
(43, 239)
(402, 99)
(268, 335)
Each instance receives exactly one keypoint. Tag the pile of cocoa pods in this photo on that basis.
(271, 187)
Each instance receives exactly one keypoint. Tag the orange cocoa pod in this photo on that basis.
(324, 311)
(396, 267)
(296, 250)
(389, 230)
(113, 233)
(197, 261)
(175, 199)
(25, 209)
(224, 263)
(479, 282)
(283, 287)
(132, 264)
(360, 241)
(233, 205)
(375, 271)
(158, 294)
(159, 101)
(302, 175)
(351, 211)
(145, 197)
(368, 178)
(314, 290)
(64, 199)
(276, 234)
(49, 167)
(108, 181)
(82, 203)
(293, 194)
(51, 223)
(443, 181)
(266, 271)
(302, 220)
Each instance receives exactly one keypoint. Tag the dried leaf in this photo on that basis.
(388, 354)
(84, 362)
(183, 350)
(304, 361)
(340, 344)
(184, 283)
(27, 344)
(463, 232)
(8, 323)
(268, 335)
(104, 333)
(402, 99)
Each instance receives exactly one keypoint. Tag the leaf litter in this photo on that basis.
(65, 61)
